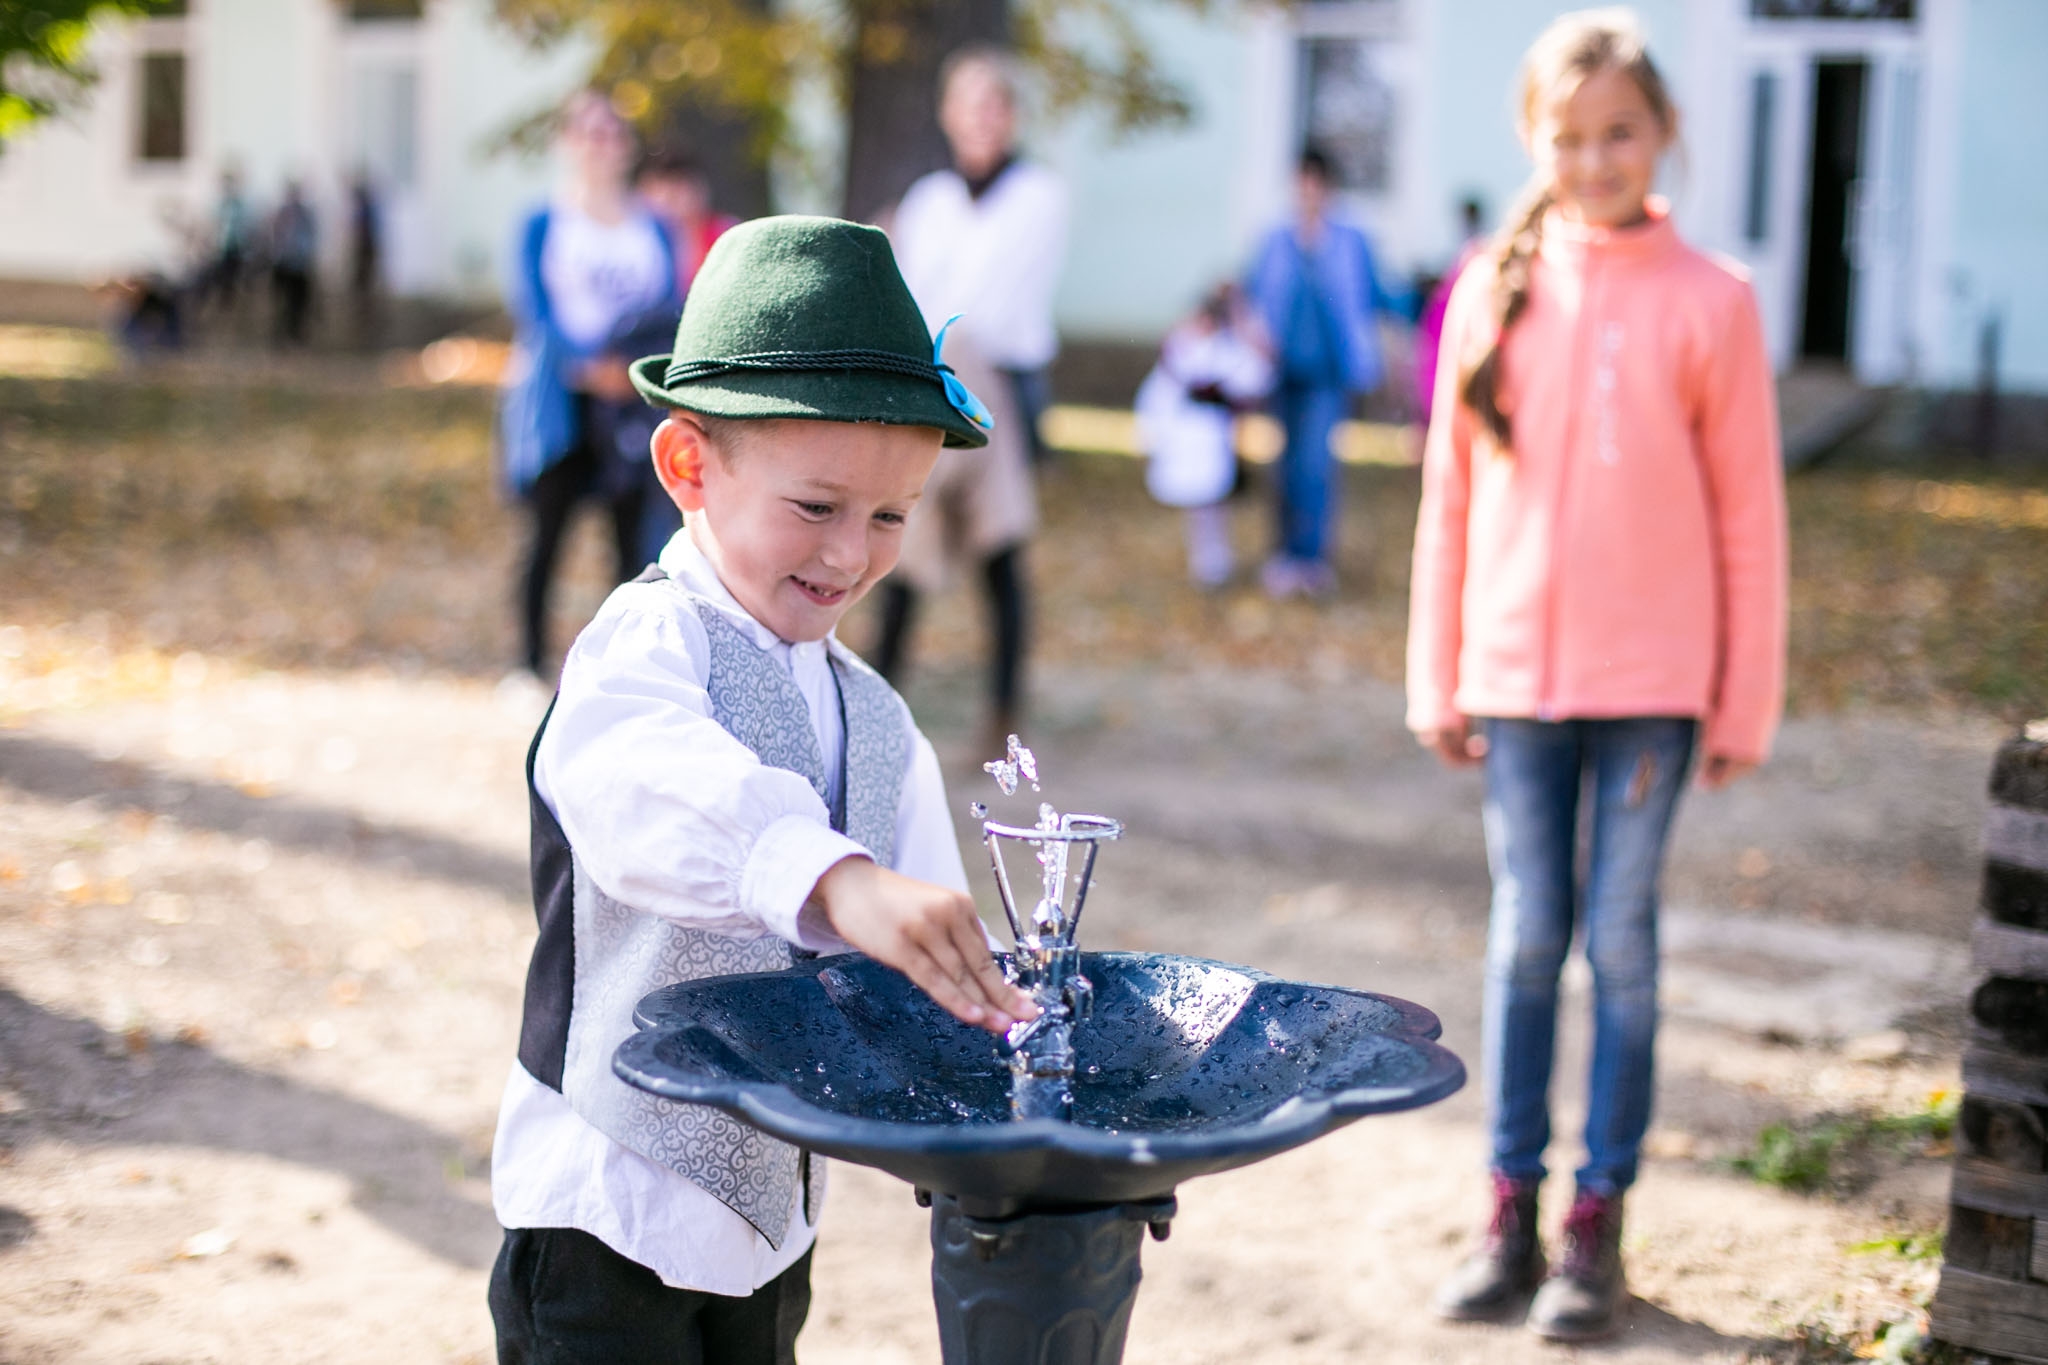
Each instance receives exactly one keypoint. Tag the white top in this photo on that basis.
(996, 259)
(1192, 446)
(598, 273)
(669, 813)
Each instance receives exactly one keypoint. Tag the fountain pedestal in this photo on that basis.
(1038, 1288)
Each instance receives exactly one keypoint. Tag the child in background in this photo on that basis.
(1212, 366)
(1429, 329)
(719, 785)
(678, 192)
(1598, 595)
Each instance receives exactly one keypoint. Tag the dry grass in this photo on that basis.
(347, 524)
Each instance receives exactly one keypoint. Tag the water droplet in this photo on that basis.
(1094, 1070)
(977, 809)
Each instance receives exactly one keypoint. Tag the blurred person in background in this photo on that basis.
(983, 240)
(586, 261)
(294, 242)
(1211, 367)
(365, 257)
(1316, 286)
(232, 234)
(1429, 328)
(674, 187)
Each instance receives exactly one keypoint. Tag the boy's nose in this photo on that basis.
(845, 550)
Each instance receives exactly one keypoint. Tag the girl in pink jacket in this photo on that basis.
(1599, 595)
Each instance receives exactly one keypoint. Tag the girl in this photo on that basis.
(1599, 591)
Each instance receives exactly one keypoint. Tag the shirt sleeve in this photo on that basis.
(1739, 453)
(667, 812)
(1437, 581)
(926, 846)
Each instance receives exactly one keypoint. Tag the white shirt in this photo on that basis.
(1191, 447)
(597, 273)
(671, 814)
(996, 260)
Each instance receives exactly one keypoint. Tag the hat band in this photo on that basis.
(890, 362)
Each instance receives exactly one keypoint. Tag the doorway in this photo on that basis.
(1839, 94)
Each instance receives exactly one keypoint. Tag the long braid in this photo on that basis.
(1514, 256)
(1571, 49)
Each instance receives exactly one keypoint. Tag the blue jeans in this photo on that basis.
(1308, 471)
(1634, 771)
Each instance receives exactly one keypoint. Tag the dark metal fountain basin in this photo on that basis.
(1187, 1067)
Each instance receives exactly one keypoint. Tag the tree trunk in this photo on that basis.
(892, 125)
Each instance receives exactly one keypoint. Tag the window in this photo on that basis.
(1763, 100)
(1832, 9)
(160, 107)
(1348, 111)
(373, 11)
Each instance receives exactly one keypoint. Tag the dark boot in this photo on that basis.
(1508, 1266)
(1584, 1299)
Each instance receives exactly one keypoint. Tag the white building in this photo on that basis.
(315, 90)
(1877, 163)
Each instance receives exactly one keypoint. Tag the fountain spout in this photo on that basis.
(1046, 959)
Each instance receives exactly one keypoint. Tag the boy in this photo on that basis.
(719, 783)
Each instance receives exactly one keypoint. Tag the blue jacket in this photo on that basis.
(537, 406)
(1346, 285)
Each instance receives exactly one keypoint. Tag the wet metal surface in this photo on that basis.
(1186, 1067)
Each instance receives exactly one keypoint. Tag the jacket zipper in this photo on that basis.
(1546, 702)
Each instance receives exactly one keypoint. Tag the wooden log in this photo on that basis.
(2014, 1011)
(2013, 1135)
(2006, 950)
(1986, 1185)
(2015, 895)
(1985, 1313)
(2019, 775)
(1989, 1243)
(1999, 1073)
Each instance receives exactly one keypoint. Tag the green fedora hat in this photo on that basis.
(809, 318)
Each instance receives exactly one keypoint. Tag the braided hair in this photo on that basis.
(1574, 47)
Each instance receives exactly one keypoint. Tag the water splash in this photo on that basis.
(1017, 761)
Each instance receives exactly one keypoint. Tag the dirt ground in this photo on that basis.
(264, 919)
(264, 934)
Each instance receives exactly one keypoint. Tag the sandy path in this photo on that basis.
(263, 938)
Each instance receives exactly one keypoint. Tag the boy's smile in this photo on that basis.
(802, 518)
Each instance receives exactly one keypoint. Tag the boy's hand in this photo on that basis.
(928, 933)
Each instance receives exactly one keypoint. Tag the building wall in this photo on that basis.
(1997, 263)
(1159, 216)
(275, 89)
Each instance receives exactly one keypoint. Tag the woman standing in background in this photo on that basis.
(589, 258)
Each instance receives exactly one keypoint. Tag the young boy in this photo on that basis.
(721, 784)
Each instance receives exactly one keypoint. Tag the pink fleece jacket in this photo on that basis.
(1627, 557)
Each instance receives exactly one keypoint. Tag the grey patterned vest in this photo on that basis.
(597, 957)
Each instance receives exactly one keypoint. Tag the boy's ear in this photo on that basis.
(680, 450)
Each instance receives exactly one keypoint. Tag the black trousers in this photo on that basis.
(553, 497)
(562, 1297)
(1002, 578)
